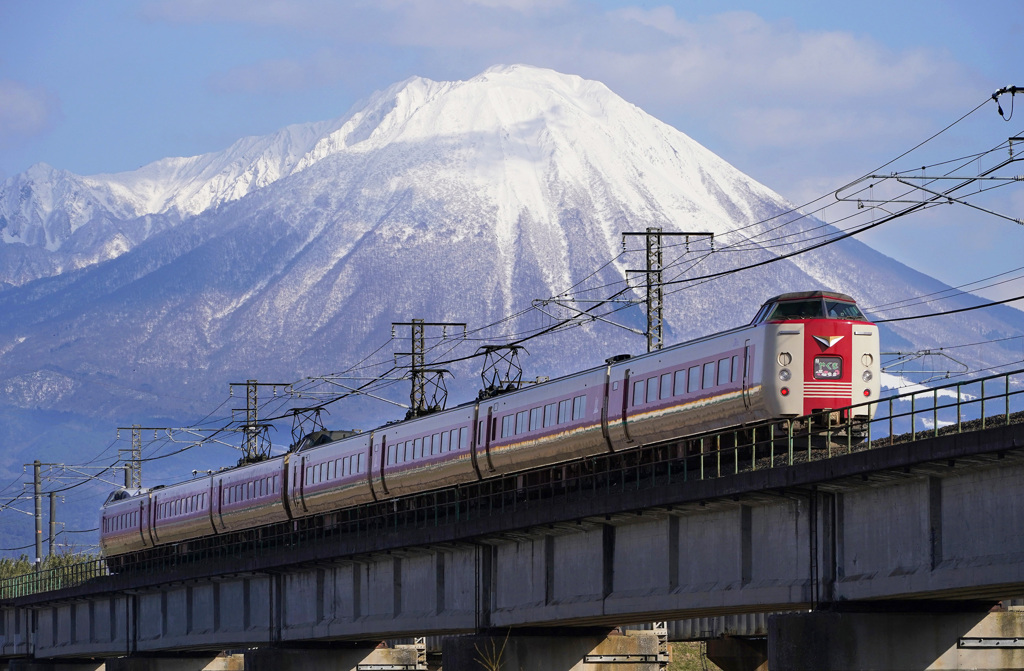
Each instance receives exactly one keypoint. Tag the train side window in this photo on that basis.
(463, 438)
(638, 392)
(709, 375)
(445, 435)
(693, 379)
(550, 414)
(759, 317)
(508, 426)
(724, 370)
(579, 407)
(666, 385)
(563, 411)
(680, 382)
(536, 418)
(435, 444)
(652, 389)
(359, 463)
(735, 368)
(417, 448)
(521, 421)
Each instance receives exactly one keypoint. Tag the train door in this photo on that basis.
(746, 373)
(378, 466)
(299, 485)
(220, 504)
(489, 432)
(145, 528)
(617, 393)
(474, 440)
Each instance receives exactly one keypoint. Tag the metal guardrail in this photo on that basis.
(48, 580)
(959, 407)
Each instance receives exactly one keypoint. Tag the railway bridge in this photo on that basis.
(886, 554)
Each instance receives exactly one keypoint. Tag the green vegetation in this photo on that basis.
(687, 657)
(19, 577)
(12, 568)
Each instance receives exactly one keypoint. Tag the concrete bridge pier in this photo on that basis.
(552, 650)
(732, 653)
(51, 665)
(330, 658)
(185, 662)
(896, 641)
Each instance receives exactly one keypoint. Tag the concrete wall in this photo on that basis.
(957, 528)
(893, 641)
(951, 532)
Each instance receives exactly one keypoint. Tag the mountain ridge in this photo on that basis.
(449, 201)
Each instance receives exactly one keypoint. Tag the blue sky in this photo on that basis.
(801, 96)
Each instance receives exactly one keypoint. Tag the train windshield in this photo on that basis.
(812, 308)
(841, 310)
(797, 310)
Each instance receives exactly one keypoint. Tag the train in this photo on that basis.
(802, 353)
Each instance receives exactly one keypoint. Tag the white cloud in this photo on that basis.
(24, 112)
(322, 68)
(781, 102)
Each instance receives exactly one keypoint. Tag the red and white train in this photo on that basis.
(803, 352)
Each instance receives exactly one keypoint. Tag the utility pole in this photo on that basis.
(37, 489)
(53, 522)
(655, 296)
(252, 450)
(417, 371)
(132, 457)
(133, 462)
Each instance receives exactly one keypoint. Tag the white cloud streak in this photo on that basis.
(25, 112)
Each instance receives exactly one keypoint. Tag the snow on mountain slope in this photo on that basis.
(291, 255)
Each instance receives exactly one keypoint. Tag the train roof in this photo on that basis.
(802, 295)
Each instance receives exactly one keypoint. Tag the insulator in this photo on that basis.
(1018, 178)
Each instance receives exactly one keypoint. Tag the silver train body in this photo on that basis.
(789, 362)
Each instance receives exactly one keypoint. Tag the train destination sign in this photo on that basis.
(828, 368)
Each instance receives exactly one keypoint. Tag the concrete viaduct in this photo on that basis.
(886, 558)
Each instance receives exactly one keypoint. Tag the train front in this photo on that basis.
(821, 353)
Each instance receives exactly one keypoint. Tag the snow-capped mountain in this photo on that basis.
(146, 292)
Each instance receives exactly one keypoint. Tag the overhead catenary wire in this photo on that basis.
(527, 335)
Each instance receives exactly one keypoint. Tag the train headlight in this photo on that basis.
(785, 358)
(785, 375)
(866, 375)
(867, 359)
